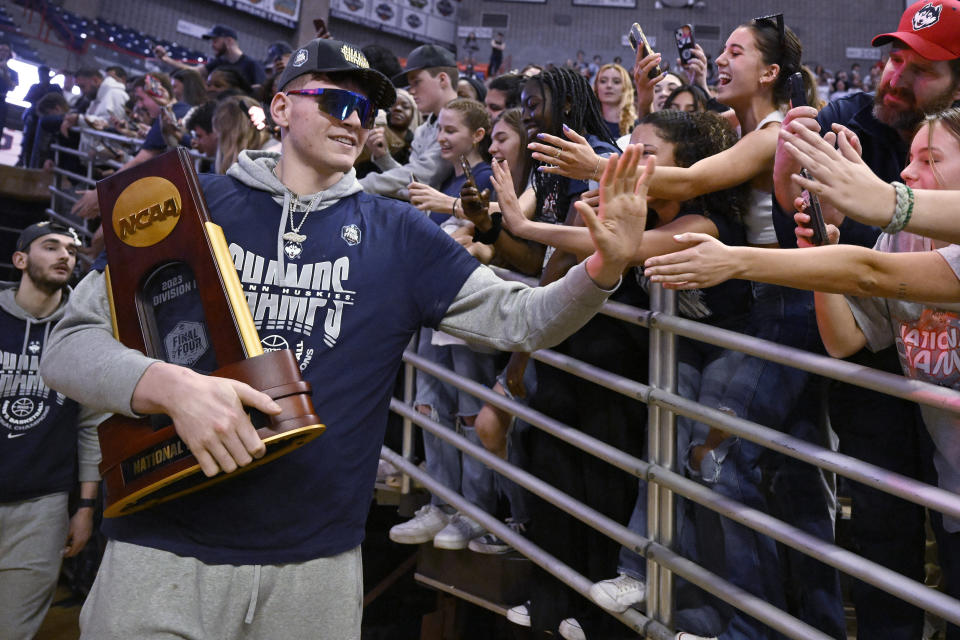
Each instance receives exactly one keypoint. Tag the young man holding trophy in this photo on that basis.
(343, 279)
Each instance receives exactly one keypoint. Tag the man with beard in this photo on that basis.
(921, 76)
(223, 41)
(47, 441)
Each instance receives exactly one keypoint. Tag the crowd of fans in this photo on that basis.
(508, 164)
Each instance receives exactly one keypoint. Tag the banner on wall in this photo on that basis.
(285, 12)
(433, 21)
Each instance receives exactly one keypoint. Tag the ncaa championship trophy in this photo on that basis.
(175, 296)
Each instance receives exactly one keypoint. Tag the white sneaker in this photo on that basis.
(618, 594)
(683, 635)
(426, 523)
(519, 614)
(570, 629)
(458, 533)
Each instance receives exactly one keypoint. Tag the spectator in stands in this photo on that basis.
(497, 47)
(432, 75)
(34, 93)
(106, 98)
(464, 131)
(503, 92)
(54, 126)
(278, 54)
(472, 88)
(223, 41)
(615, 92)
(687, 97)
(385, 61)
(303, 536)
(239, 123)
(118, 73)
(8, 81)
(227, 81)
(470, 49)
(921, 75)
(50, 441)
(188, 87)
(402, 121)
(199, 123)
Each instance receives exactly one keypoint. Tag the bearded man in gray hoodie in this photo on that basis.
(344, 278)
(43, 435)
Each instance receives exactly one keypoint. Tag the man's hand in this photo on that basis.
(617, 227)
(79, 531)
(377, 143)
(707, 263)
(841, 178)
(87, 207)
(208, 414)
(804, 232)
(159, 52)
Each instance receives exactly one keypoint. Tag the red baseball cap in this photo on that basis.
(929, 27)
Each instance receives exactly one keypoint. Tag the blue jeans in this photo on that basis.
(462, 473)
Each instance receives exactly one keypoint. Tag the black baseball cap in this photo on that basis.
(425, 56)
(220, 31)
(40, 229)
(275, 50)
(325, 55)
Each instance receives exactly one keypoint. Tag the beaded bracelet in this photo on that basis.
(904, 209)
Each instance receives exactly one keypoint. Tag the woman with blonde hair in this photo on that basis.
(615, 92)
(240, 123)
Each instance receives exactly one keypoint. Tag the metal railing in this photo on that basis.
(664, 483)
(63, 196)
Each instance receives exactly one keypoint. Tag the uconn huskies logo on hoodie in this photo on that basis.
(304, 299)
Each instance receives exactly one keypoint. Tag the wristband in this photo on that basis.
(490, 235)
(84, 503)
(903, 210)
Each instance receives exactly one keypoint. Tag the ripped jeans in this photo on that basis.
(448, 405)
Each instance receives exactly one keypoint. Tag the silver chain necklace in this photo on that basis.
(293, 240)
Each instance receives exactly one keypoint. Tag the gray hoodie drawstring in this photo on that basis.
(284, 213)
(254, 594)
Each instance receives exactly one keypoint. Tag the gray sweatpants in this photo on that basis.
(32, 536)
(150, 594)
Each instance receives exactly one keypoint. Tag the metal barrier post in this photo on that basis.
(408, 396)
(666, 454)
(653, 455)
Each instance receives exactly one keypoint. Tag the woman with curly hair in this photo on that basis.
(615, 92)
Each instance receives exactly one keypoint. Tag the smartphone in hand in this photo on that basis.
(798, 98)
(685, 42)
(466, 170)
(638, 39)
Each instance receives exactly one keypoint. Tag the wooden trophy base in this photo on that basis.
(144, 464)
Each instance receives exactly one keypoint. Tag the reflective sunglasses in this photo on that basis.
(776, 21)
(340, 103)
